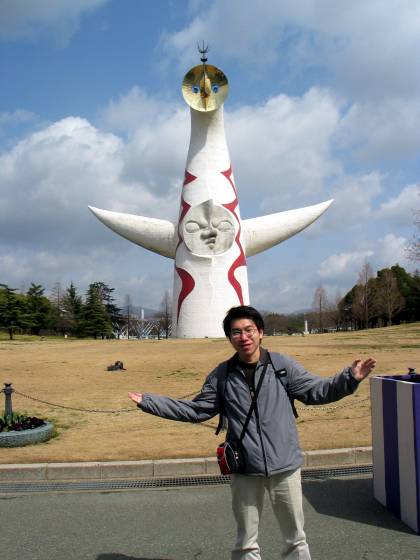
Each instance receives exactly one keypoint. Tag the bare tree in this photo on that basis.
(320, 306)
(388, 296)
(128, 309)
(157, 329)
(57, 294)
(413, 247)
(363, 307)
(60, 320)
(165, 314)
(335, 311)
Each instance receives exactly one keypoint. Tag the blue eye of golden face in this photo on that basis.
(215, 88)
(195, 89)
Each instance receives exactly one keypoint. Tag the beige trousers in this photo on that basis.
(285, 492)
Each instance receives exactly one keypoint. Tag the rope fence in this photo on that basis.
(8, 390)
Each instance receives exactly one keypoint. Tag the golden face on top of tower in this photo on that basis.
(205, 87)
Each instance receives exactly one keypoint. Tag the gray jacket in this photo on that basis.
(271, 441)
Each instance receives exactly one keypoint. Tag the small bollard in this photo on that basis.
(8, 409)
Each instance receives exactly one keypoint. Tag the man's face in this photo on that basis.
(246, 339)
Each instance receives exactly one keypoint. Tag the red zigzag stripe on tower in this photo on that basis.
(187, 281)
(241, 260)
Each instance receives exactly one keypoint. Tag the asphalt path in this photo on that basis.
(343, 522)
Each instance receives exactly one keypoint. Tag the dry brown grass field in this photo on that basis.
(73, 373)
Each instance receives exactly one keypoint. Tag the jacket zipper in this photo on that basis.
(257, 417)
(257, 421)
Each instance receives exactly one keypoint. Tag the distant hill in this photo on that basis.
(136, 310)
(288, 314)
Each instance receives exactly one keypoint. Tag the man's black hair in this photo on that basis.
(242, 312)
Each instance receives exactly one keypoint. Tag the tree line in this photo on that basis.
(65, 312)
(390, 297)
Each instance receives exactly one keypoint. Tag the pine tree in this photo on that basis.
(72, 305)
(38, 308)
(95, 321)
(12, 310)
(114, 312)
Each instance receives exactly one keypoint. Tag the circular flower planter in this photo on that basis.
(26, 437)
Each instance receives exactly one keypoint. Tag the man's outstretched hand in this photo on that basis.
(136, 397)
(361, 369)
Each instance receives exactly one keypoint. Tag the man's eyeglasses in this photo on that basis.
(248, 332)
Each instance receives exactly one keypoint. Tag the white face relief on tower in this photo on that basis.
(208, 229)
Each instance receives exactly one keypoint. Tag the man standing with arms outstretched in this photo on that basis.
(271, 453)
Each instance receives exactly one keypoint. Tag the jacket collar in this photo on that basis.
(263, 357)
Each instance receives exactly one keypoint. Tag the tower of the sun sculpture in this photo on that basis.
(209, 243)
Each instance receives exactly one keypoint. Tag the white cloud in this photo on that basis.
(134, 110)
(56, 166)
(281, 150)
(19, 19)
(345, 267)
(14, 124)
(354, 195)
(390, 250)
(16, 117)
(156, 155)
(376, 47)
(367, 48)
(223, 24)
(400, 209)
(155, 150)
(291, 286)
(384, 129)
(354, 204)
(49, 178)
(13, 269)
(291, 292)
(130, 270)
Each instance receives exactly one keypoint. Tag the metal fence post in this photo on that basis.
(8, 409)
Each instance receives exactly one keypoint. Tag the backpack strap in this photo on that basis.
(222, 374)
(281, 372)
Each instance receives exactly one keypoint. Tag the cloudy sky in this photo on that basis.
(324, 103)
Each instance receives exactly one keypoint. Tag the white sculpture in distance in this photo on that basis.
(210, 242)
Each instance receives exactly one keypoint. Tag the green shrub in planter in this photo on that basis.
(18, 422)
(20, 429)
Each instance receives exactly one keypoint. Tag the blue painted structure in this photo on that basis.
(396, 445)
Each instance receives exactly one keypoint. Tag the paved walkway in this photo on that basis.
(343, 522)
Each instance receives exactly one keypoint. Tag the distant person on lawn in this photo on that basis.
(270, 449)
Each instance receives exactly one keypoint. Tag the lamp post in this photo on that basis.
(8, 409)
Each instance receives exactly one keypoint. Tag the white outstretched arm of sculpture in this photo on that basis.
(153, 234)
(262, 233)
